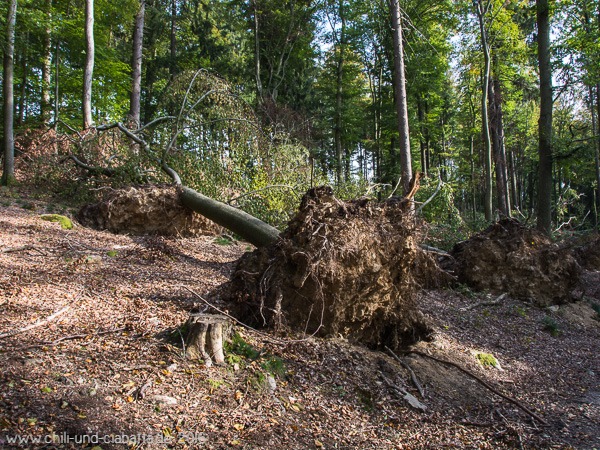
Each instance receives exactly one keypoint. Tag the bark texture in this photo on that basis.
(8, 172)
(544, 210)
(89, 64)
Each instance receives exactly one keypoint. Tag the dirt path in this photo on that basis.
(125, 297)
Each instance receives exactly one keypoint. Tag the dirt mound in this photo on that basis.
(589, 254)
(509, 257)
(145, 209)
(340, 268)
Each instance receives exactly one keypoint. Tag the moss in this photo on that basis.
(64, 221)
(487, 360)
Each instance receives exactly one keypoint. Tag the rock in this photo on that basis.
(165, 400)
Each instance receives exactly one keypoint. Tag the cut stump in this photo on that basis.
(205, 337)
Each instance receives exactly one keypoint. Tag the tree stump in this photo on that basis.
(205, 337)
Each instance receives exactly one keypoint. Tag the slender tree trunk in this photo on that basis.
(337, 137)
(259, 87)
(136, 65)
(487, 143)
(8, 172)
(89, 64)
(544, 206)
(499, 150)
(596, 129)
(56, 84)
(400, 97)
(23, 94)
(45, 105)
(173, 43)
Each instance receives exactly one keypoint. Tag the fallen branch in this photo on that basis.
(17, 249)
(69, 338)
(426, 202)
(403, 394)
(413, 376)
(39, 323)
(475, 377)
(494, 302)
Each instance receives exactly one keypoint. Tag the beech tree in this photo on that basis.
(544, 209)
(136, 64)
(89, 64)
(401, 98)
(8, 172)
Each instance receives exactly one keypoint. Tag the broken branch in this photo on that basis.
(39, 323)
(475, 377)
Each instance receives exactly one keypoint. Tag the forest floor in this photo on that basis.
(90, 347)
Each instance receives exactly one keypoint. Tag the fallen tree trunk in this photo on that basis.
(248, 227)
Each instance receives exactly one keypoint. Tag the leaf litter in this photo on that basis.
(123, 371)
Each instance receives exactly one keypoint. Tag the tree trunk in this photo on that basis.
(89, 64)
(487, 142)
(136, 65)
(544, 206)
(595, 110)
(8, 172)
(248, 227)
(259, 87)
(23, 94)
(499, 149)
(400, 97)
(173, 43)
(56, 83)
(45, 105)
(337, 137)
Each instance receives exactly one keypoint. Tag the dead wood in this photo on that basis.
(413, 376)
(39, 323)
(69, 338)
(205, 337)
(483, 383)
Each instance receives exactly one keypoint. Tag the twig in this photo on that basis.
(405, 395)
(437, 189)
(439, 251)
(494, 302)
(39, 323)
(413, 376)
(17, 249)
(70, 338)
(475, 377)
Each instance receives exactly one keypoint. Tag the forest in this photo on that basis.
(300, 224)
(266, 98)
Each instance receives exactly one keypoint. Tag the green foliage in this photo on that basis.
(550, 326)
(239, 351)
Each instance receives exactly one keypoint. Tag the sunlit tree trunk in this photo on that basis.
(173, 40)
(8, 172)
(499, 149)
(136, 65)
(45, 105)
(337, 136)
(259, 87)
(544, 206)
(481, 10)
(89, 64)
(400, 97)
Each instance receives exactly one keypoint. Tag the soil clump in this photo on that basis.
(349, 269)
(509, 257)
(142, 210)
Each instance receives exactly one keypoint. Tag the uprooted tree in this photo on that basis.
(340, 268)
